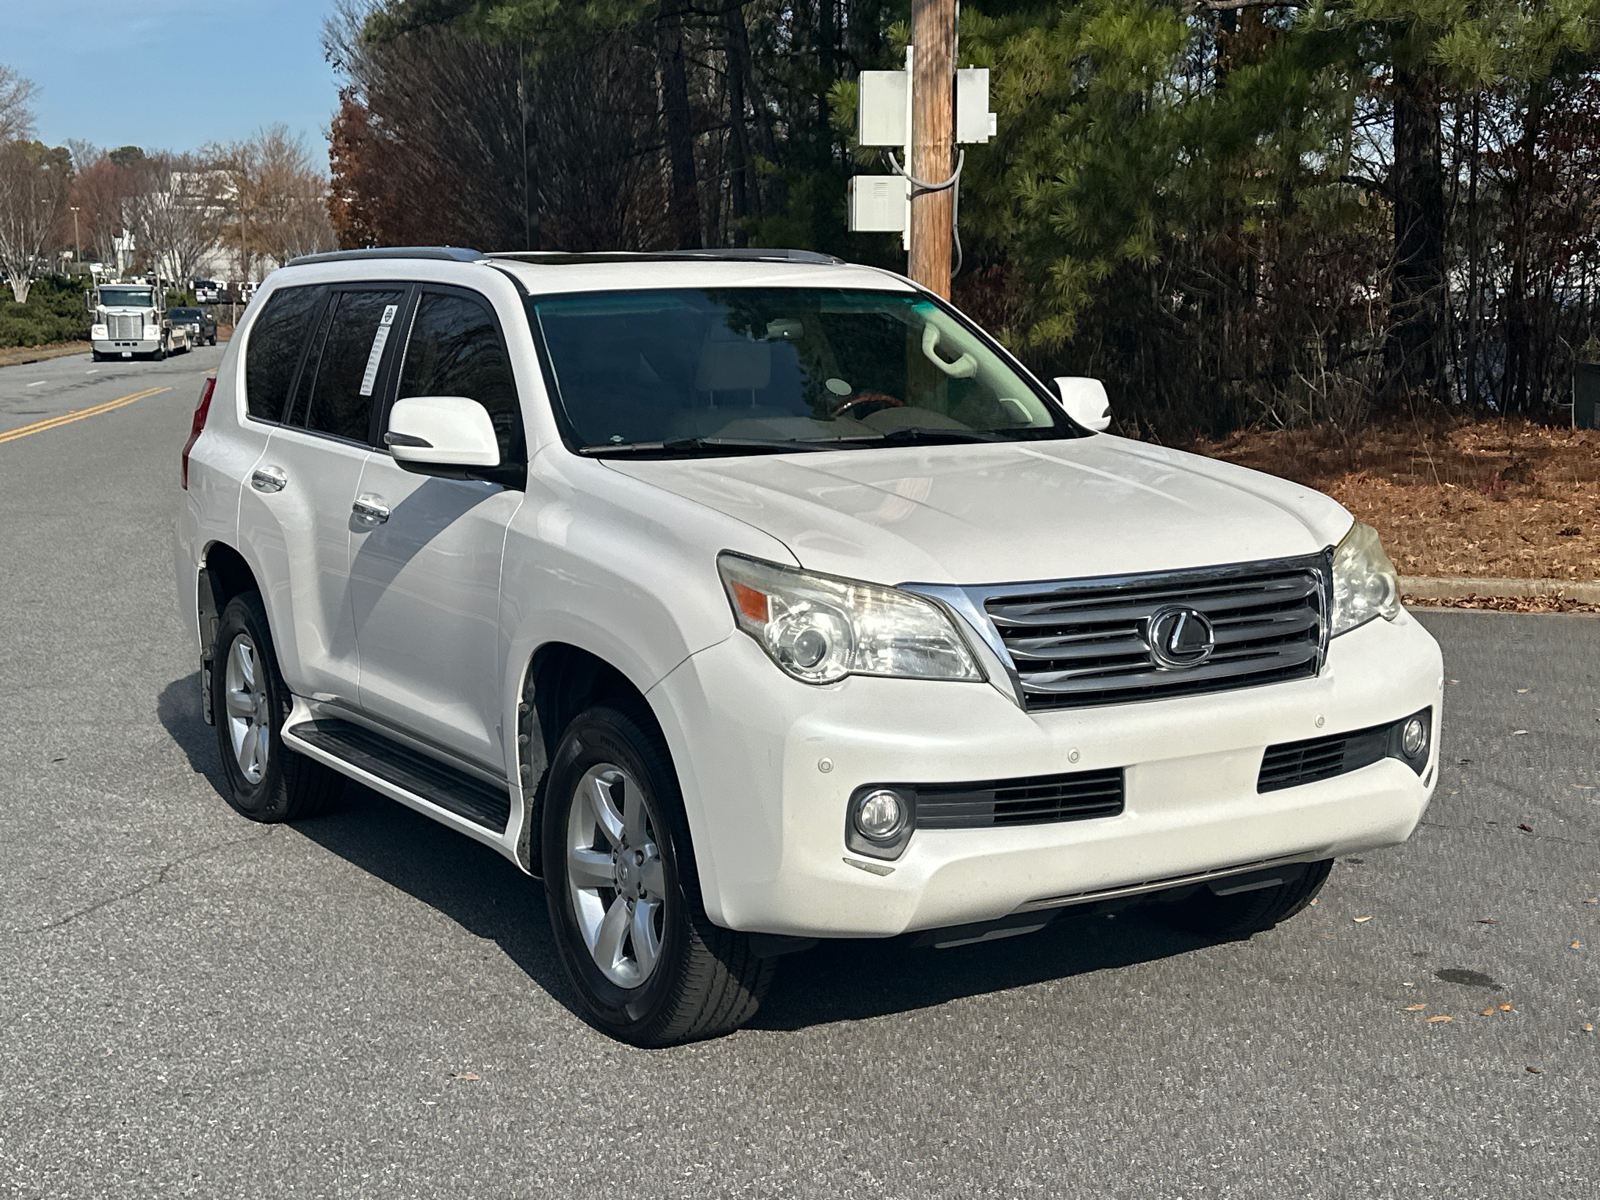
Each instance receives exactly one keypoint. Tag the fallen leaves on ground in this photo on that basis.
(1487, 921)
(1587, 1027)
(1453, 497)
(1575, 946)
(1415, 1007)
(1439, 1020)
(1361, 920)
(1525, 828)
(1534, 1071)
(1488, 1012)
(1505, 1008)
(464, 1075)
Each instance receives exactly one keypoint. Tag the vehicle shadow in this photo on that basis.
(853, 980)
(466, 881)
(837, 981)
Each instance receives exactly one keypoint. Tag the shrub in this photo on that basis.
(54, 312)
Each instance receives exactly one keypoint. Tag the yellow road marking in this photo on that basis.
(80, 414)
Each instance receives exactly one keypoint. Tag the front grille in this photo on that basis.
(1040, 800)
(1293, 763)
(123, 327)
(1084, 642)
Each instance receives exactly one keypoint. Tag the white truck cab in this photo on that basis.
(131, 319)
(753, 598)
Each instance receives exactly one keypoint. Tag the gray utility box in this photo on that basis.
(1586, 396)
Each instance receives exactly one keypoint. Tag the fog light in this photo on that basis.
(881, 815)
(1414, 737)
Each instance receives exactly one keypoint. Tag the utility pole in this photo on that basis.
(933, 65)
(77, 244)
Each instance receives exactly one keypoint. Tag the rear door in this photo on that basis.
(306, 485)
(425, 581)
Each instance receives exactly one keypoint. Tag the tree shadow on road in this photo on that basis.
(838, 981)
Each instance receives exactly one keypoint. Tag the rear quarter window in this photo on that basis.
(273, 354)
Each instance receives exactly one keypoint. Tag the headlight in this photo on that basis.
(820, 629)
(1364, 581)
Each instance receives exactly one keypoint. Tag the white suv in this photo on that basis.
(752, 598)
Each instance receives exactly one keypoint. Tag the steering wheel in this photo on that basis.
(860, 398)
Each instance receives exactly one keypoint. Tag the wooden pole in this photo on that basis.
(933, 66)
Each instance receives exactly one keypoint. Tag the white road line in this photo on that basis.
(38, 383)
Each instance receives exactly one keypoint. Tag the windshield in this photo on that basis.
(184, 314)
(743, 369)
(127, 297)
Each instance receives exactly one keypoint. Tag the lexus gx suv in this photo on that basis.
(754, 598)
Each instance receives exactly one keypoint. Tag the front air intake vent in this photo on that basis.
(1040, 800)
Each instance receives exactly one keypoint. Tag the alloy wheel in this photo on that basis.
(248, 715)
(615, 876)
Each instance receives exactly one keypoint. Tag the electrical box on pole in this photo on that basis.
(885, 104)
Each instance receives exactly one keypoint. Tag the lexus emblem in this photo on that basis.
(1179, 637)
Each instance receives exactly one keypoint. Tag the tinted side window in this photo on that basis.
(347, 371)
(276, 340)
(455, 350)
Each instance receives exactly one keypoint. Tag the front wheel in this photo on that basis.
(161, 353)
(623, 893)
(1245, 913)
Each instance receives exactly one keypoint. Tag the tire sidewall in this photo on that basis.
(605, 735)
(266, 800)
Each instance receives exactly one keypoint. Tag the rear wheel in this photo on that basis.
(266, 781)
(1245, 913)
(624, 896)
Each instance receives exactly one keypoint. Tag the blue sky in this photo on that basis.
(171, 74)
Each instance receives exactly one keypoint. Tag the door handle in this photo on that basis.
(268, 479)
(370, 508)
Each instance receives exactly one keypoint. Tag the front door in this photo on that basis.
(425, 578)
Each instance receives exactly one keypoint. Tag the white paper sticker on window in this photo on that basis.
(370, 377)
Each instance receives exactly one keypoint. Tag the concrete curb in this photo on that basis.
(1498, 589)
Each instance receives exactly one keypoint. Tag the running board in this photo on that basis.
(407, 770)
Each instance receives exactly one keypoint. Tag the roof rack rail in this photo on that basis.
(558, 258)
(448, 253)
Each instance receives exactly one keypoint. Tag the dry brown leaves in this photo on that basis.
(1480, 499)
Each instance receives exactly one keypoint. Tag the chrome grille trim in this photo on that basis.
(125, 327)
(1080, 642)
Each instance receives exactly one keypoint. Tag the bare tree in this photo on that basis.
(177, 212)
(275, 203)
(34, 182)
(16, 118)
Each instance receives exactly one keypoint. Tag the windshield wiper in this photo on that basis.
(687, 446)
(920, 434)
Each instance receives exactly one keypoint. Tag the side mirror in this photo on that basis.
(441, 435)
(1085, 401)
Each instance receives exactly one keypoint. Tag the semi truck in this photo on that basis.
(131, 319)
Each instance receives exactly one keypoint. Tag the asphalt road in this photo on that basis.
(367, 1004)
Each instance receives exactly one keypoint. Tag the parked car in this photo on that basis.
(200, 325)
(206, 291)
(755, 598)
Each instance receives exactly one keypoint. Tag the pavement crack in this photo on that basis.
(159, 878)
(1541, 837)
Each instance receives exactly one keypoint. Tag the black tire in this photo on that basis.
(96, 356)
(160, 355)
(1241, 915)
(290, 785)
(706, 980)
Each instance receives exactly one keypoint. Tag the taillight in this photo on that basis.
(199, 426)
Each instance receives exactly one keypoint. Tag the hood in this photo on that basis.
(1013, 512)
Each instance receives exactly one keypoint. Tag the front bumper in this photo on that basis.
(767, 765)
(127, 345)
